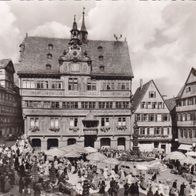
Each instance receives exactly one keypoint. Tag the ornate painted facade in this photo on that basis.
(76, 90)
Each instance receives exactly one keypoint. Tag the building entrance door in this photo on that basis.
(89, 140)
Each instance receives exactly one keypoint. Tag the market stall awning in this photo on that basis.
(185, 147)
(175, 155)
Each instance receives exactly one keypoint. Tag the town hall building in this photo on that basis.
(76, 91)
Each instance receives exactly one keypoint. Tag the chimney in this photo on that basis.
(141, 83)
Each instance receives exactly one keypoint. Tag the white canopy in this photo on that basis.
(186, 147)
(191, 153)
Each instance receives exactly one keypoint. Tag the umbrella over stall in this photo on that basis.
(76, 148)
(55, 152)
(97, 156)
(90, 149)
(111, 161)
(175, 155)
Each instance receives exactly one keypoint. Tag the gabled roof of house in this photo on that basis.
(193, 70)
(139, 94)
(4, 64)
(115, 54)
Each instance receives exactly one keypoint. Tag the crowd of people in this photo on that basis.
(34, 173)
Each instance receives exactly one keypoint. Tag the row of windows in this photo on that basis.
(186, 102)
(6, 119)
(186, 116)
(7, 97)
(7, 109)
(152, 105)
(155, 131)
(152, 117)
(74, 84)
(187, 133)
(110, 85)
(73, 122)
(76, 105)
(42, 84)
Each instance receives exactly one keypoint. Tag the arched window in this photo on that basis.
(71, 141)
(36, 143)
(105, 142)
(52, 143)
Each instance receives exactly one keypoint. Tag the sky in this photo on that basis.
(160, 34)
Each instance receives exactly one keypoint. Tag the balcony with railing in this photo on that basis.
(154, 137)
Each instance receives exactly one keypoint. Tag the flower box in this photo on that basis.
(105, 129)
(54, 129)
(34, 129)
(74, 129)
(121, 127)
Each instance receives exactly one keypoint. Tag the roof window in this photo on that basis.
(49, 56)
(50, 46)
(100, 48)
(101, 58)
(48, 67)
(101, 67)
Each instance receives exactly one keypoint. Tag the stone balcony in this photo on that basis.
(90, 131)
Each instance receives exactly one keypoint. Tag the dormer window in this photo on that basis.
(48, 67)
(101, 58)
(49, 56)
(22, 47)
(188, 89)
(101, 68)
(50, 46)
(100, 48)
(152, 94)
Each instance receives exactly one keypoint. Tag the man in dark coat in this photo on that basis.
(112, 185)
(126, 189)
(174, 185)
(102, 187)
(182, 188)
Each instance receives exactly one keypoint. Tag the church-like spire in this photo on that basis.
(74, 32)
(83, 30)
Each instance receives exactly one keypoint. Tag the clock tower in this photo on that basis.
(75, 59)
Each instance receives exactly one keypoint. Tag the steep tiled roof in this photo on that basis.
(4, 62)
(7, 64)
(115, 54)
(171, 103)
(139, 94)
(180, 92)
